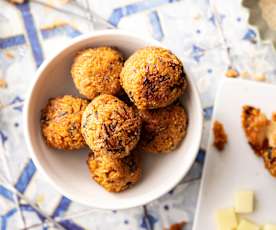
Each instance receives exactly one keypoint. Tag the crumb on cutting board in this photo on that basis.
(220, 136)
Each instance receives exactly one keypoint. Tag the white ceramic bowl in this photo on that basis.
(67, 170)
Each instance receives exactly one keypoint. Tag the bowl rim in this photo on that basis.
(137, 202)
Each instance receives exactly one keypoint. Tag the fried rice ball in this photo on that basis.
(163, 129)
(115, 175)
(111, 127)
(97, 70)
(61, 122)
(153, 78)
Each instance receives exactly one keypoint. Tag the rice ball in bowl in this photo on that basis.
(111, 127)
(115, 175)
(97, 70)
(153, 77)
(163, 129)
(61, 122)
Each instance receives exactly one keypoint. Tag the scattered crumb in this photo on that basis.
(58, 2)
(55, 24)
(220, 136)
(245, 75)
(256, 77)
(3, 84)
(177, 226)
(16, 1)
(259, 77)
(232, 73)
(9, 55)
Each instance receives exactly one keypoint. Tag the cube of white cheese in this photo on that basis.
(269, 227)
(244, 201)
(226, 219)
(246, 225)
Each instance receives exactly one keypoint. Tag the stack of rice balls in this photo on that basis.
(131, 107)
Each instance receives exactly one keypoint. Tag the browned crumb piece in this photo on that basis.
(61, 122)
(232, 73)
(255, 124)
(115, 175)
(220, 136)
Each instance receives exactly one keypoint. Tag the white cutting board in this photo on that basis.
(237, 167)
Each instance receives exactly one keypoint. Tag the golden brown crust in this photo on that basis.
(153, 78)
(61, 122)
(255, 125)
(163, 129)
(220, 136)
(109, 126)
(261, 134)
(115, 175)
(97, 70)
(269, 157)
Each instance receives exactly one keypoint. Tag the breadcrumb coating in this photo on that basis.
(163, 129)
(109, 126)
(255, 124)
(115, 175)
(153, 78)
(261, 134)
(97, 71)
(61, 122)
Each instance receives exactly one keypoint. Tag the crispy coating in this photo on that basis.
(115, 175)
(269, 157)
(163, 129)
(97, 70)
(261, 134)
(153, 78)
(109, 126)
(61, 122)
(255, 125)
(220, 136)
